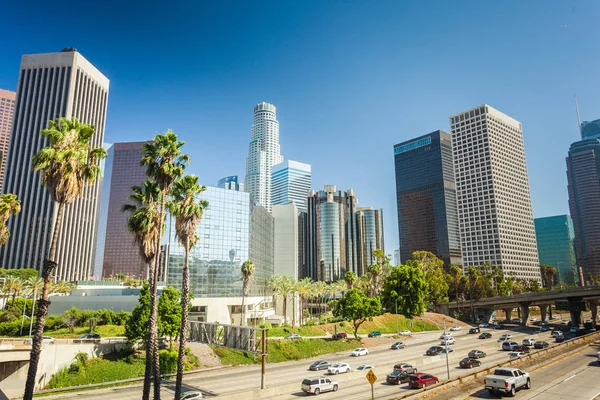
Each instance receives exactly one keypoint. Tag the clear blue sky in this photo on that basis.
(349, 78)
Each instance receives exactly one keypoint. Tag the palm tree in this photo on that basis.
(304, 291)
(351, 279)
(474, 275)
(67, 166)
(456, 275)
(548, 275)
(375, 270)
(12, 286)
(336, 288)
(9, 205)
(145, 224)
(248, 268)
(320, 289)
(164, 164)
(188, 213)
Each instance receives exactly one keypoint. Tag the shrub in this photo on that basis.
(75, 367)
(168, 361)
(265, 325)
(82, 358)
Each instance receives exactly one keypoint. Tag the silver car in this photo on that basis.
(318, 384)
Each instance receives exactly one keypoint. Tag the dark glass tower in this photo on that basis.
(426, 196)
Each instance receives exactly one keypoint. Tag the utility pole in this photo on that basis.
(32, 311)
(263, 358)
(446, 342)
(396, 315)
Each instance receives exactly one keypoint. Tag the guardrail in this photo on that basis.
(514, 362)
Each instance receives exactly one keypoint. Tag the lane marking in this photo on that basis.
(571, 377)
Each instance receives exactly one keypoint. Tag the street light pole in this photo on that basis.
(446, 342)
(396, 315)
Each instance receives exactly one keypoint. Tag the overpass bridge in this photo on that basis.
(575, 299)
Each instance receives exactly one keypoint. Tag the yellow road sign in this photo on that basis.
(371, 377)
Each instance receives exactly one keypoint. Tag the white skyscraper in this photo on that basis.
(291, 182)
(264, 152)
(494, 205)
(53, 85)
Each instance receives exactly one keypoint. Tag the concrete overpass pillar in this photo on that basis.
(508, 313)
(525, 312)
(543, 313)
(575, 315)
(594, 309)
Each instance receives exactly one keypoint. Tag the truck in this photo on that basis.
(507, 380)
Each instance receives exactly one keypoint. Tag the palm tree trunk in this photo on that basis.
(284, 309)
(149, 355)
(42, 312)
(243, 311)
(185, 299)
(153, 322)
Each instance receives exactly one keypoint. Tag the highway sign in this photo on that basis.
(371, 377)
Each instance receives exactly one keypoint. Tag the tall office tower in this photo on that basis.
(7, 108)
(120, 255)
(369, 228)
(263, 153)
(590, 129)
(53, 85)
(494, 206)
(426, 197)
(286, 240)
(331, 246)
(583, 178)
(106, 171)
(291, 182)
(397, 257)
(231, 183)
(555, 240)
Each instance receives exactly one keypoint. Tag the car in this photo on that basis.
(45, 339)
(544, 323)
(544, 329)
(339, 335)
(540, 344)
(456, 328)
(364, 367)
(405, 333)
(485, 335)
(505, 337)
(469, 362)
(474, 330)
(573, 329)
(420, 380)
(516, 354)
(533, 319)
(398, 346)
(556, 333)
(515, 321)
(499, 326)
(476, 354)
(374, 334)
(409, 369)
(528, 342)
(338, 368)
(89, 336)
(447, 350)
(319, 365)
(448, 341)
(434, 350)
(361, 351)
(319, 384)
(446, 336)
(521, 348)
(507, 380)
(560, 339)
(397, 377)
(509, 346)
(484, 325)
(293, 336)
(191, 396)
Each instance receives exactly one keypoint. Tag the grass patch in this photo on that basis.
(102, 330)
(283, 331)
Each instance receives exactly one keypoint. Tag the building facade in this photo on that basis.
(583, 179)
(426, 198)
(120, 254)
(369, 228)
(231, 183)
(590, 129)
(53, 85)
(263, 153)
(555, 240)
(286, 240)
(291, 182)
(232, 231)
(494, 204)
(7, 109)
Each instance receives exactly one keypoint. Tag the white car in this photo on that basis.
(405, 333)
(448, 341)
(338, 368)
(528, 342)
(191, 396)
(484, 325)
(360, 352)
(533, 319)
(504, 337)
(446, 336)
(45, 339)
(364, 367)
(516, 354)
(455, 328)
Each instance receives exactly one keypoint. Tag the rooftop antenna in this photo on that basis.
(578, 117)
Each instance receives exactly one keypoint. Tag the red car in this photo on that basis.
(340, 335)
(421, 380)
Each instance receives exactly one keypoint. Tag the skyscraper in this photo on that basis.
(120, 255)
(583, 178)
(286, 240)
(590, 129)
(494, 205)
(555, 239)
(291, 182)
(426, 197)
(53, 85)
(7, 108)
(369, 228)
(231, 183)
(263, 153)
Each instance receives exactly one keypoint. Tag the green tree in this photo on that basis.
(67, 166)
(9, 206)
(474, 275)
(548, 275)
(169, 313)
(357, 307)
(407, 285)
(433, 268)
(247, 269)
(188, 213)
(454, 279)
(136, 327)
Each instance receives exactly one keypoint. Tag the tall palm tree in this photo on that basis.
(351, 279)
(474, 275)
(144, 224)
(375, 270)
(164, 164)
(9, 205)
(304, 292)
(320, 289)
(67, 166)
(247, 269)
(286, 289)
(12, 286)
(188, 213)
(456, 275)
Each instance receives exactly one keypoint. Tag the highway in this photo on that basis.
(352, 385)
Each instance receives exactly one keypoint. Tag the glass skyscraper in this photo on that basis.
(232, 231)
(555, 239)
(426, 197)
(230, 182)
(590, 129)
(7, 108)
(291, 182)
(369, 227)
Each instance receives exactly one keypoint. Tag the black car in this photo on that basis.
(485, 335)
(434, 350)
(90, 336)
(397, 377)
(474, 330)
(540, 344)
(469, 362)
(499, 326)
(318, 365)
(524, 349)
(560, 338)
